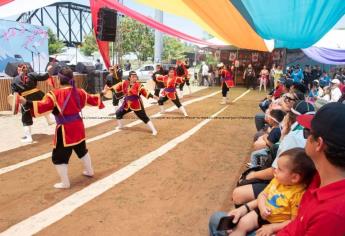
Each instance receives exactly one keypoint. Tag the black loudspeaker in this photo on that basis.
(11, 68)
(85, 67)
(106, 27)
(57, 66)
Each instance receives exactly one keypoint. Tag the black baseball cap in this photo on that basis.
(302, 107)
(328, 123)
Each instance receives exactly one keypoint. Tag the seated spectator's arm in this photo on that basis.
(265, 211)
(260, 143)
(271, 229)
(268, 142)
(241, 211)
(266, 174)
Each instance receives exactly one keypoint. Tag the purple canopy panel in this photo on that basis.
(326, 55)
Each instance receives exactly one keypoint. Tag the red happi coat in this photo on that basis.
(185, 74)
(73, 132)
(228, 78)
(170, 85)
(134, 91)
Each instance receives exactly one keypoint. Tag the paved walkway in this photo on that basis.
(11, 129)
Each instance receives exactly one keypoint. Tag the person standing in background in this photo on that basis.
(128, 66)
(204, 74)
(272, 71)
(98, 65)
(263, 78)
(307, 77)
(249, 77)
(278, 74)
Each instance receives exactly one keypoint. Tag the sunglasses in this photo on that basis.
(289, 99)
(306, 133)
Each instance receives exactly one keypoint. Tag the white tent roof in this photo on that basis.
(334, 39)
(17, 7)
(72, 55)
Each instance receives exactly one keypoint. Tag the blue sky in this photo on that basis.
(179, 23)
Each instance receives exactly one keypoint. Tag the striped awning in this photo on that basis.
(247, 23)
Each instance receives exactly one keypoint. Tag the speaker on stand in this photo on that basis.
(106, 25)
(11, 68)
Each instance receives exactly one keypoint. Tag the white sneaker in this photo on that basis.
(61, 186)
(26, 139)
(119, 125)
(88, 170)
(152, 128)
(62, 170)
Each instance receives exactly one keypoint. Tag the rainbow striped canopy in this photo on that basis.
(248, 23)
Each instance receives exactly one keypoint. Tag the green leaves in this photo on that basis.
(54, 45)
(89, 45)
(173, 48)
(135, 38)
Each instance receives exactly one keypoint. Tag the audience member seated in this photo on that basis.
(293, 139)
(335, 90)
(322, 208)
(325, 80)
(265, 142)
(278, 204)
(314, 92)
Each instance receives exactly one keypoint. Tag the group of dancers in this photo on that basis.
(67, 102)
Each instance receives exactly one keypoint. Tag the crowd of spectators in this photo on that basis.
(295, 181)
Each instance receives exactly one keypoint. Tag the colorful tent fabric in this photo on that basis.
(334, 39)
(104, 47)
(291, 23)
(245, 23)
(326, 55)
(220, 18)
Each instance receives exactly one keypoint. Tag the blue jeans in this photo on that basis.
(256, 154)
(214, 221)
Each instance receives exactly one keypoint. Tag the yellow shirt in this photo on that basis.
(277, 75)
(283, 200)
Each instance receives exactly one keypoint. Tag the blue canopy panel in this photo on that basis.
(291, 23)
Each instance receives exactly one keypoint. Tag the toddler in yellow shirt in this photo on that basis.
(277, 205)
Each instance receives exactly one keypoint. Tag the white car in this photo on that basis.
(144, 73)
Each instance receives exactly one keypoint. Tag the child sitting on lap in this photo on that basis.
(277, 205)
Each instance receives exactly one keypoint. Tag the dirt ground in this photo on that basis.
(175, 195)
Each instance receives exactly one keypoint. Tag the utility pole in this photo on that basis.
(158, 38)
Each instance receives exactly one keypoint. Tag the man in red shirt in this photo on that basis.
(322, 208)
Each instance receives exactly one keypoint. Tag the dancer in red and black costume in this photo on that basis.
(115, 77)
(182, 71)
(132, 90)
(158, 85)
(171, 81)
(227, 79)
(25, 84)
(66, 103)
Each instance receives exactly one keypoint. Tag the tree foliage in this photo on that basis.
(173, 48)
(135, 38)
(89, 45)
(54, 45)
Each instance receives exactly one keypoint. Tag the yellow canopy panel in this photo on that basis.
(222, 20)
